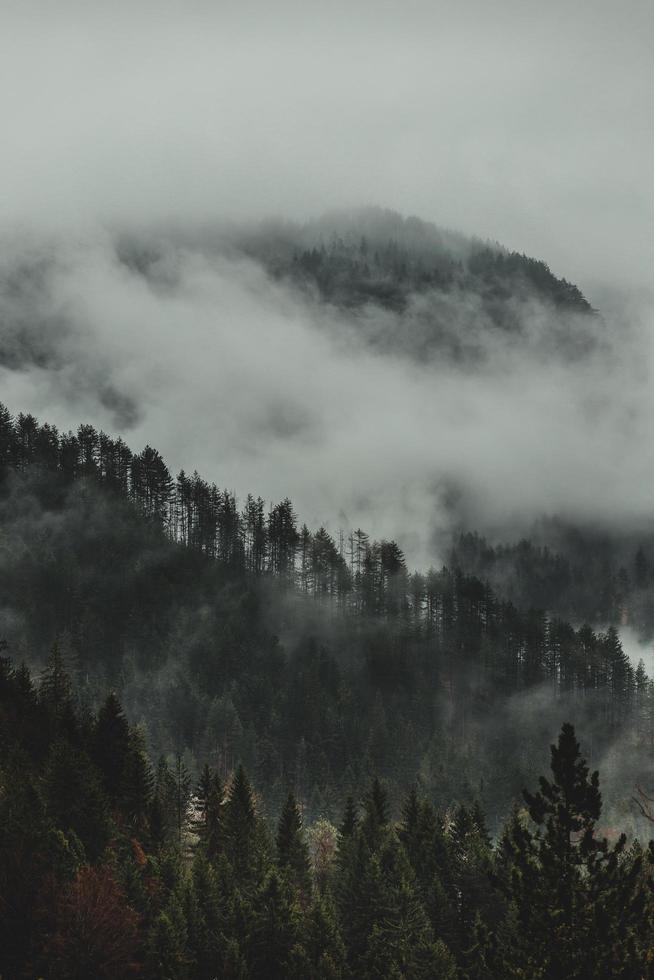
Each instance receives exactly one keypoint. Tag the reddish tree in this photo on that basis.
(95, 931)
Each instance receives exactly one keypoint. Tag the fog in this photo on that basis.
(637, 649)
(527, 126)
(264, 388)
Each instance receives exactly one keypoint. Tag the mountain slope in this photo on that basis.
(236, 634)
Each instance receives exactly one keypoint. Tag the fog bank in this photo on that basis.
(266, 389)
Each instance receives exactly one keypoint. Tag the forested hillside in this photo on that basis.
(403, 285)
(377, 255)
(234, 633)
(581, 574)
(110, 867)
(326, 510)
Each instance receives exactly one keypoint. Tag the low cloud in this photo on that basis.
(262, 388)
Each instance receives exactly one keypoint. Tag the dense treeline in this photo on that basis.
(234, 633)
(415, 290)
(110, 867)
(365, 576)
(405, 286)
(374, 255)
(358, 272)
(582, 575)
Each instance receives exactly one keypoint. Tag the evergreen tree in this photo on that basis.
(111, 744)
(182, 794)
(375, 818)
(209, 821)
(56, 687)
(471, 868)
(75, 799)
(325, 950)
(562, 879)
(163, 816)
(137, 784)
(430, 854)
(274, 931)
(350, 820)
(206, 919)
(8, 447)
(240, 825)
(167, 956)
(641, 569)
(292, 851)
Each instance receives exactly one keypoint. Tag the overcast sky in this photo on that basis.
(530, 123)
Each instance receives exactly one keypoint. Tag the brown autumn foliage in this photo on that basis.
(138, 853)
(95, 931)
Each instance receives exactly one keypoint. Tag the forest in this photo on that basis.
(326, 523)
(403, 286)
(235, 633)
(110, 867)
(225, 734)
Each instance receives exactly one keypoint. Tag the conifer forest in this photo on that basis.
(326, 490)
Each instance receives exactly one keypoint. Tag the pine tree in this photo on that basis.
(471, 867)
(275, 929)
(564, 879)
(350, 820)
(401, 944)
(241, 828)
(375, 818)
(430, 855)
(209, 821)
(111, 744)
(182, 794)
(408, 830)
(167, 954)
(324, 945)
(358, 892)
(163, 808)
(75, 798)
(8, 447)
(204, 920)
(641, 569)
(292, 851)
(56, 689)
(137, 784)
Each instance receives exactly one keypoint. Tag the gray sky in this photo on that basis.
(527, 123)
(530, 123)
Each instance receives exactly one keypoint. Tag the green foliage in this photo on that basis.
(391, 673)
(292, 851)
(425, 897)
(275, 930)
(111, 745)
(562, 878)
(74, 798)
(246, 840)
(209, 821)
(167, 943)
(108, 866)
(56, 685)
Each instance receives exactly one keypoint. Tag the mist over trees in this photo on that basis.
(112, 867)
(408, 287)
(412, 413)
(234, 632)
(326, 529)
(235, 742)
(582, 573)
